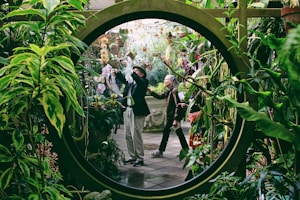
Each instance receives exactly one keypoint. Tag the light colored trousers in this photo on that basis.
(133, 128)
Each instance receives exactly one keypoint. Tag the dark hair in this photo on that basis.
(141, 69)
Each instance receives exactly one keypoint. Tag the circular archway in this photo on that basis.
(198, 20)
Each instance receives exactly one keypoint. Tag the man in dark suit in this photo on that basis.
(136, 109)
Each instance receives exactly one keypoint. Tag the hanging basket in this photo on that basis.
(291, 17)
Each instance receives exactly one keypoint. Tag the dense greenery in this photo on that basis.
(272, 159)
(39, 84)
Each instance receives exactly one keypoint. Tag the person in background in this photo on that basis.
(111, 83)
(136, 109)
(105, 73)
(174, 116)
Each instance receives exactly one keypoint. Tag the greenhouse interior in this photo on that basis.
(149, 99)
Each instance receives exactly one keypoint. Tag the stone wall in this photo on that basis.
(156, 120)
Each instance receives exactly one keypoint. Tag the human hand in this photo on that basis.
(113, 71)
(175, 123)
(183, 105)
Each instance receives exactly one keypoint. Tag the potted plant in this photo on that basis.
(155, 121)
(108, 158)
(290, 12)
(103, 115)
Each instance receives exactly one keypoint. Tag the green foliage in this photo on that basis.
(206, 3)
(273, 78)
(160, 88)
(266, 182)
(39, 85)
(268, 126)
(279, 108)
(275, 84)
(40, 71)
(108, 158)
(30, 171)
(103, 114)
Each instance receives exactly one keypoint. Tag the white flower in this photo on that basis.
(291, 3)
(294, 3)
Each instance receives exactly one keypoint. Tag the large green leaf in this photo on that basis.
(78, 4)
(19, 107)
(65, 63)
(48, 49)
(18, 140)
(51, 192)
(5, 154)
(3, 70)
(24, 167)
(276, 77)
(25, 24)
(36, 49)
(294, 80)
(50, 5)
(7, 79)
(34, 12)
(263, 123)
(289, 58)
(33, 197)
(54, 112)
(50, 86)
(32, 160)
(70, 93)
(10, 95)
(6, 177)
(24, 79)
(4, 117)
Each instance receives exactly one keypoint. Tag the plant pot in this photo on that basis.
(156, 120)
(291, 17)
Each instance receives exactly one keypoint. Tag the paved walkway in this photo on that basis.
(156, 172)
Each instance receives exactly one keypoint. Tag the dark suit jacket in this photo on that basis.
(173, 111)
(138, 93)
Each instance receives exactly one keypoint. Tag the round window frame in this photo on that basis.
(101, 21)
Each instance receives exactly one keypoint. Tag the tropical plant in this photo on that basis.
(276, 117)
(103, 116)
(160, 88)
(108, 158)
(30, 171)
(209, 79)
(275, 149)
(39, 85)
(264, 183)
(279, 103)
(274, 180)
(206, 3)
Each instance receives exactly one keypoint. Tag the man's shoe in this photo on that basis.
(129, 161)
(157, 154)
(138, 163)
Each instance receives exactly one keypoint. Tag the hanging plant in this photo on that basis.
(104, 42)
